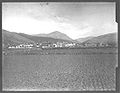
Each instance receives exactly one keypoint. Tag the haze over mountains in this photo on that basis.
(17, 38)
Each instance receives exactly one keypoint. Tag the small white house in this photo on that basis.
(11, 47)
(54, 45)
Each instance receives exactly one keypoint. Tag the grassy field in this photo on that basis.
(63, 69)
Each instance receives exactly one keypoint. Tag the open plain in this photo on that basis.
(60, 69)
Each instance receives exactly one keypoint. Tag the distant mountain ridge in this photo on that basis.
(12, 38)
(40, 39)
(84, 39)
(106, 38)
(56, 35)
(18, 38)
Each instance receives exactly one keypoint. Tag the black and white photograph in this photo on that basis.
(59, 46)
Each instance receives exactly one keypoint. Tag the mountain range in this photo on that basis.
(84, 39)
(17, 38)
(106, 38)
(56, 35)
(11, 37)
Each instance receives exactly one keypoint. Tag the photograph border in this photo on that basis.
(117, 20)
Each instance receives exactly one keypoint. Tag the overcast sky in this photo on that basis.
(77, 20)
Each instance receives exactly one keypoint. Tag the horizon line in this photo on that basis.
(59, 32)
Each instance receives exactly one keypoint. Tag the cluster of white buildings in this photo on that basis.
(42, 45)
(56, 45)
(96, 45)
(21, 46)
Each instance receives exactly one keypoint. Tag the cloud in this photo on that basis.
(28, 25)
(75, 20)
(60, 19)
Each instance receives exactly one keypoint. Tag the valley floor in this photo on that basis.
(60, 69)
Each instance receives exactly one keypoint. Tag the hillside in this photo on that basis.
(13, 38)
(39, 39)
(56, 35)
(106, 38)
(83, 39)
(17, 38)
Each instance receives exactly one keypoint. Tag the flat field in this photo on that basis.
(60, 69)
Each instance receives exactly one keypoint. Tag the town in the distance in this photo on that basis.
(12, 40)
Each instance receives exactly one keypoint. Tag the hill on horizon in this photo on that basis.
(18, 38)
(40, 39)
(106, 38)
(56, 35)
(13, 38)
(84, 39)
